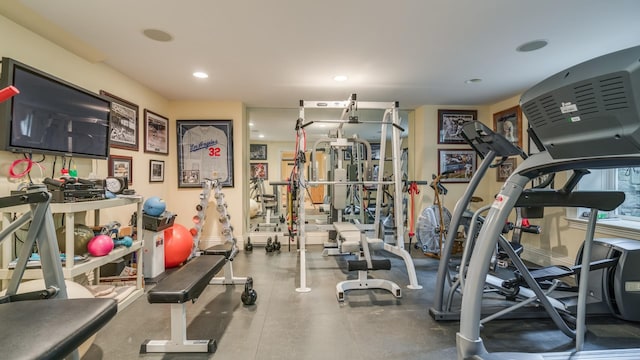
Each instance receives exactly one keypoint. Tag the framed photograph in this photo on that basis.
(346, 153)
(156, 133)
(259, 170)
(504, 170)
(456, 165)
(205, 151)
(257, 151)
(121, 166)
(124, 122)
(156, 171)
(509, 123)
(450, 125)
(375, 151)
(361, 149)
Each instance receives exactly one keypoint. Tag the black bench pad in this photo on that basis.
(188, 282)
(51, 329)
(222, 249)
(361, 265)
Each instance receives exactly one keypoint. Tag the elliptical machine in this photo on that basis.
(490, 146)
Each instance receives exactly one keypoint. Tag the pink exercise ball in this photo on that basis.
(178, 243)
(100, 245)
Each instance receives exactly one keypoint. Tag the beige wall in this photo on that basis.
(423, 154)
(27, 47)
(183, 201)
(541, 249)
(32, 49)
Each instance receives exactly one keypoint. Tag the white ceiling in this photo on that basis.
(271, 54)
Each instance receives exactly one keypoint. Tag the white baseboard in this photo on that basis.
(545, 258)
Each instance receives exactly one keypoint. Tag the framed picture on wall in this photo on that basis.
(259, 170)
(450, 125)
(505, 169)
(121, 166)
(124, 122)
(156, 133)
(257, 151)
(509, 123)
(156, 171)
(456, 165)
(346, 153)
(375, 151)
(205, 151)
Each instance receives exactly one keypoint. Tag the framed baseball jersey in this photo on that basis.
(205, 151)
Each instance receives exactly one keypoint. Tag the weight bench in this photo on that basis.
(56, 327)
(180, 286)
(229, 250)
(364, 264)
(347, 238)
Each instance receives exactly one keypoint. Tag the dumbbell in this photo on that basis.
(126, 241)
(269, 247)
(248, 247)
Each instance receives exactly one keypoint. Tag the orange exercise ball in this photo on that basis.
(178, 243)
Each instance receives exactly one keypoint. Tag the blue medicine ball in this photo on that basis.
(154, 206)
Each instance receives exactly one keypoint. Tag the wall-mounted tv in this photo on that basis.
(51, 116)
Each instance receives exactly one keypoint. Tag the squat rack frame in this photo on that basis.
(391, 119)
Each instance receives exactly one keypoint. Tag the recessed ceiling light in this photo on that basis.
(472, 81)
(340, 78)
(200, 75)
(532, 45)
(251, 124)
(261, 136)
(157, 35)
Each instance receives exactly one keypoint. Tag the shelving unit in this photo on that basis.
(70, 268)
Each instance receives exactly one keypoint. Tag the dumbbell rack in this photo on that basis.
(227, 229)
(221, 206)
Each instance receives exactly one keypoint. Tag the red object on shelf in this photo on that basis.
(8, 92)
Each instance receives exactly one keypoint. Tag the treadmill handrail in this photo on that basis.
(601, 200)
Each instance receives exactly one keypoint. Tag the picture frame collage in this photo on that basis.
(508, 123)
(457, 164)
(124, 135)
(258, 167)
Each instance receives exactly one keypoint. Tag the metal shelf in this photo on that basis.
(70, 268)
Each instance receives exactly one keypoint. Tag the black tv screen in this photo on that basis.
(51, 116)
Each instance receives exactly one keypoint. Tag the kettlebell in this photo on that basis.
(249, 296)
(269, 247)
(248, 247)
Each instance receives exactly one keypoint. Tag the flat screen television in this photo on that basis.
(51, 116)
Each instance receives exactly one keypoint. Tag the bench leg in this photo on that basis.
(228, 278)
(178, 342)
(363, 283)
